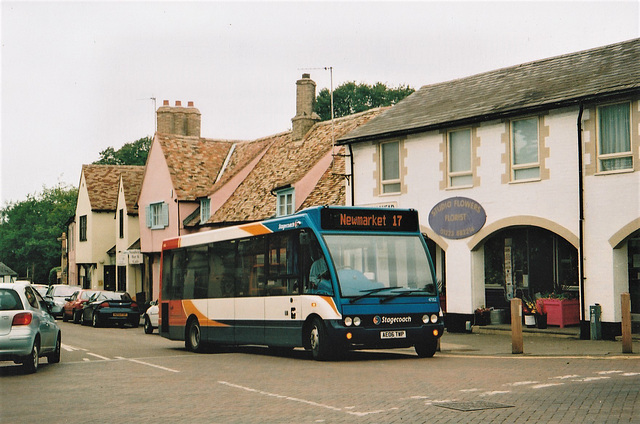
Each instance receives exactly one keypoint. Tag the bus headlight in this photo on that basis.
(425, 319)
(348, 321)
(434, 318)
(357, 321)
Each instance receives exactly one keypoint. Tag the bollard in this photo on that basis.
(627, 345)
(517, 342)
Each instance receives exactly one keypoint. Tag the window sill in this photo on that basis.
(463, 187)
(523, 181)
(389, 194)
(617, 171)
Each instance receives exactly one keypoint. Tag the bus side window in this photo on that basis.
(284, 276)
(216, 272)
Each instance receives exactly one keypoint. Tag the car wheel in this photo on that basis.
(94, 320)
(193, 341)
(427, 348)
(64, 317)
(77, 317)
(30, 362)
(54, 357)
(318, 342)
(148, 328)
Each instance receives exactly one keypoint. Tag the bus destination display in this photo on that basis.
(369, 219)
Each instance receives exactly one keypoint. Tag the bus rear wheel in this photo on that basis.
(427, 348)
(193, 336)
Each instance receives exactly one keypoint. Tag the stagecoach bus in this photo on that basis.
(326, 278)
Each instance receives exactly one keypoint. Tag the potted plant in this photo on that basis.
(529, 310)
(541, 314)
(482, 315)
(562, 309)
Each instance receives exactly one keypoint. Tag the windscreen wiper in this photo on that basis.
(404, 293)
(372, 291)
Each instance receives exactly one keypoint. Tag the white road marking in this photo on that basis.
(521, 383)
(147, 364)
(493, 393)
(631, 374)
(542, 386)
(610, 372)
(308, 402)
(565, 377)
(589, 379)
(99, 356)
(71, 348)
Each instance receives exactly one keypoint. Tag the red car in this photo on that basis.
(72, 309)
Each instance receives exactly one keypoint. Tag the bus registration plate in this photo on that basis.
(400, 334)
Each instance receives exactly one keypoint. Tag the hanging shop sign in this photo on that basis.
(457, 218)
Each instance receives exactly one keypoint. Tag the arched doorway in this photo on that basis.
(526, 261)
(634, 273)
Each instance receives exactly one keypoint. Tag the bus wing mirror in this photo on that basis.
(304, 239)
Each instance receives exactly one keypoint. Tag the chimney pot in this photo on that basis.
(165, 103)
(178, 103)
(306, 75)
(190, 104)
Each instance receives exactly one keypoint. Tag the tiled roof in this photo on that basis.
(194, 163)
(102, 184)
(287, 162)
(132, 183)
(539, 85)
(5, 270)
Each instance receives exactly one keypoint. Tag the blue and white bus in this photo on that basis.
(327, 279)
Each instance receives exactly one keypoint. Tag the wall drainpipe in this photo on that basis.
(584, 324)
(353, 192)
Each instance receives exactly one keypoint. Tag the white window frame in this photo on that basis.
(456, 175)
(616, 155)
(205, 209)
(286, 201)
(388, 185)
(529, 165)
(157, 215)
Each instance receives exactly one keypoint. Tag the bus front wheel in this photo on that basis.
(427, 348)
(318, 341)
(193, 340)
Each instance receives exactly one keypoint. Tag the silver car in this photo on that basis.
(57, 295)
(27, 329)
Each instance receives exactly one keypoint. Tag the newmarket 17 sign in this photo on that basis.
(457, 218)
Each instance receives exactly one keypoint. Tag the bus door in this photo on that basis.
(283, 279)
(249, 287)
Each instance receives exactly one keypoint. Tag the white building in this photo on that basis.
(526, 173)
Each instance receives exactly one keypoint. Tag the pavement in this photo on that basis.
(495, 340)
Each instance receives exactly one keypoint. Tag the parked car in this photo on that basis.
(56, 297)
(27, 329)
(150, 318)
(72, 309)
(110, 307)
(41, 288)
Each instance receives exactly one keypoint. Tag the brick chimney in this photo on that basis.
(305, 116)
(178, 119)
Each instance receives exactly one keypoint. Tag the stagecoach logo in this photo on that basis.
(294, 224)
(377, 320)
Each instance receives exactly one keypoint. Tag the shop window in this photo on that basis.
(614, 137)
(525, 163)
(459, 150)
(533, 260)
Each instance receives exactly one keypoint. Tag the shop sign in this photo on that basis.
(457, 218)
(135, 257)
(121, 259)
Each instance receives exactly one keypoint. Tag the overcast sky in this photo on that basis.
(78, 77)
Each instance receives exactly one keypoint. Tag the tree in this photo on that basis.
(350, 98)
(29, 231)
(130, 154)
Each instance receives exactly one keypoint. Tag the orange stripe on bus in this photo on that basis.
(191, 309)
(255, 229)
(331, 303)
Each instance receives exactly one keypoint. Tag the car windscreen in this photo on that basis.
(381, 265)
(10, 300)
(114, 296)
(63, 291)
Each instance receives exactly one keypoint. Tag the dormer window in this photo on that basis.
(205, 210)
(286, 201)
